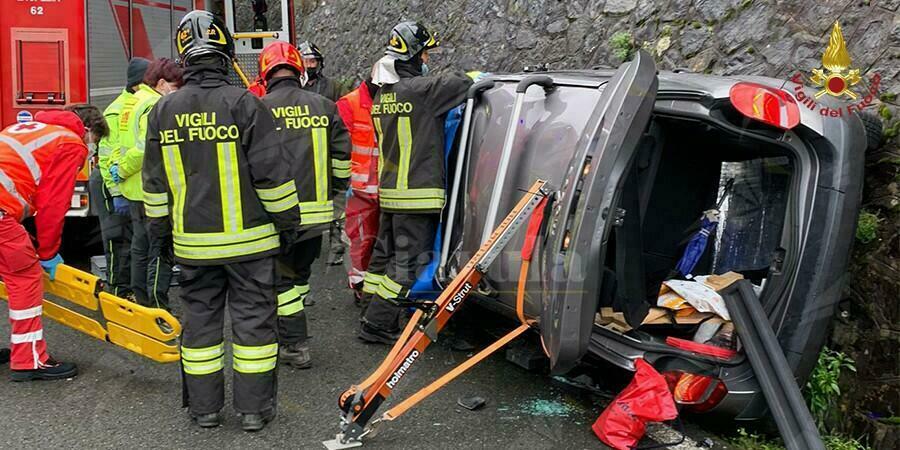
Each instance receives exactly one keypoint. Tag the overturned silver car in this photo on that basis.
(635, 157)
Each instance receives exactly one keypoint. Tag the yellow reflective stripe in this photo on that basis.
(320, 157)
(230, 187)
(204, 353)
(227, 251)
(340, 173)
(225, 238)
(391, 285)
(404, 135)
(412, 204)
(316, 218)
(177, 184)
(260, 366)
(340, 163)
(254, 351)
(290, 309)
(326, 206)
(377, 122)
(302, 289)
(288, 296)
(420, 193)
(371, 282)
(282, 205)
(255, 358)
(204, 368)
(278, 192)
(156, 199)
(156, 211)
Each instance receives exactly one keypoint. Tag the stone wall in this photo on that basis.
(775, 38)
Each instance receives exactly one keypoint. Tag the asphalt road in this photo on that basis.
(122, 400)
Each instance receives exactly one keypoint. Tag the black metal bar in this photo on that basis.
(795, 423)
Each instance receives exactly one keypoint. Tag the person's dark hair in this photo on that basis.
(92, 119)
(163, 69)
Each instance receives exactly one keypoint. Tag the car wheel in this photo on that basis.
(874, 130)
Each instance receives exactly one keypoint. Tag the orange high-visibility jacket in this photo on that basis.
(39, 162)
(354, 109)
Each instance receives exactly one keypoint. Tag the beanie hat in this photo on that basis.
(136, 69)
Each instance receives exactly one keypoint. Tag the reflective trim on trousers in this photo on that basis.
(25, 338)
(203, 361)
(24, 314)
(255, 358)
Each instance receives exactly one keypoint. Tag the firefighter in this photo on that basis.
(409, 119)
(106, 197)
(316, 81)
(151, 268)
(216, 187)
(361, 225)
(319, 147)
(39, 162)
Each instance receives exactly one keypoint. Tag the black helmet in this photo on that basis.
(200, 33)
(408, 39)
(309, 50)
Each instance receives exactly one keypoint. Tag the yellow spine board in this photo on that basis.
(142, 345)
(138, 318)
(73, 285)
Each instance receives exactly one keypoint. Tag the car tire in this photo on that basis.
(874, 130)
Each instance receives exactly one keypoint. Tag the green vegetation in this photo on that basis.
(746, 4)
(697, 24)
(750, 441)
(621, 44)
(835, 442)
(885, 112)
(888, 96)
(822, 390)
(866, 232)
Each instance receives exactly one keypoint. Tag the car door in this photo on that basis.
(580, 220)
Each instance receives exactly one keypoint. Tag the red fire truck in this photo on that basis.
(59, 52)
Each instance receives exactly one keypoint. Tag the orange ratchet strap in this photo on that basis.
(361, 401)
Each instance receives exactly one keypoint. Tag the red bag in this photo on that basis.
(645, 399)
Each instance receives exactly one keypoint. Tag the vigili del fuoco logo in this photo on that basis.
(836, 78)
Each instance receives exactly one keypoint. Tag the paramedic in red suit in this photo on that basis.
(39, 162)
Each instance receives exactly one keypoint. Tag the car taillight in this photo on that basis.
(84, 201)
(698, 393)
(765, 104)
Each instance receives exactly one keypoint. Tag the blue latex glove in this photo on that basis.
(50, 265)
(114, 173)
(121, 206)
(349, 193)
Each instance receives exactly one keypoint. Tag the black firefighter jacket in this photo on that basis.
(214, 173)
(409, 119)
(318, 147)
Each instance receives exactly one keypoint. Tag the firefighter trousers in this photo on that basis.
(248, 290)
(292, 271)
(403, 247)
(361, 228)
(151, 268)
(115, 230)
(22, 276)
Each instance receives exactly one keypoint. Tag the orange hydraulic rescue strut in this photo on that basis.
(359, 403)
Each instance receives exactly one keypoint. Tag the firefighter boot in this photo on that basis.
(52, 370)
(211, 420)
(295, 355)
(256, 422)
(4, 355)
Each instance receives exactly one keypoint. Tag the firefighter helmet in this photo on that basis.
(200, 33)
(408, 39)
(279, 54)
(309, 51)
